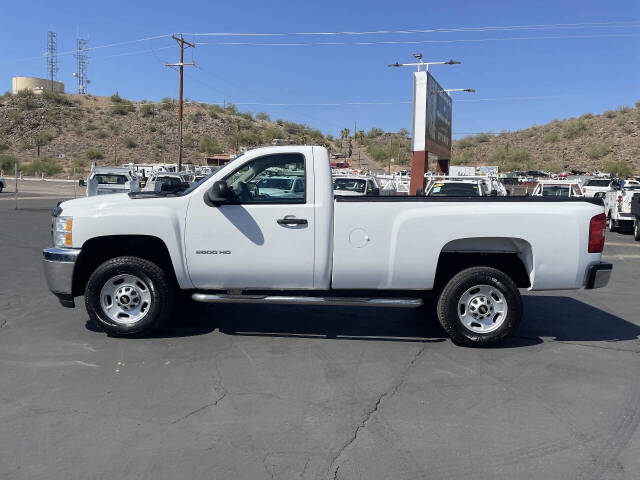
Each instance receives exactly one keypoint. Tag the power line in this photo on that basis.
(555, 26)
(413, 42)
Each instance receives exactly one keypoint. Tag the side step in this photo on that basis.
(294, 300)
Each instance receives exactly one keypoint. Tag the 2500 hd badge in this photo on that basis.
(213, 252)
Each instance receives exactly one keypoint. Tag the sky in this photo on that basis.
(553, 62)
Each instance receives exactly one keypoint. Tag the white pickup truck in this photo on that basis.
(617, 206)
(223, 241)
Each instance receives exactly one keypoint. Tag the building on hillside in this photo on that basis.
(37, 85)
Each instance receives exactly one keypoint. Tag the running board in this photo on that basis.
(294, 300)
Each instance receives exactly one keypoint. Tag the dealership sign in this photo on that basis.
(432, 108)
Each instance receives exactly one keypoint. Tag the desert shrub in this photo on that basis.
(586, 116)
(48, 166)
(624, 109)
(575, 128)
(231, 108)
(188, 141)
(79, 164)
(101, 134)
(262, 116)
(115, 98)
(93, 154)
(55, 97)
(210, 146)
(510, 159)
(123, 108)
(196, 116)
(147, 110)
(597, 150)
(462, 158)
(272, 133)
(621, 120)
(246, 138)
(483, 137)
(374, 132)
(7, 163)
(3, 146)
(129, 142)
(45, 137)
(246, 115)
(610, 114)
(90, 126)
(25, 93)
(551, 137)
(167, 103)
(617, 168)
(466, 142)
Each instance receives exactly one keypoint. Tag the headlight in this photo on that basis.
(62, 230)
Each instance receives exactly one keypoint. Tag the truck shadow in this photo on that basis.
(555, 317)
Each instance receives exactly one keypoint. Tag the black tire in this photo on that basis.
(448, 306)
(636, 229)
(161, 288)
(1, 187)
(612, 224)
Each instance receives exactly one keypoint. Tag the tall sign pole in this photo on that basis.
(419, 155)
(181, 42)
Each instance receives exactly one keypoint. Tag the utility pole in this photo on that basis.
(181, 42)
(82, 60)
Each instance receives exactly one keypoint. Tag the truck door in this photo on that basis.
(262, 241)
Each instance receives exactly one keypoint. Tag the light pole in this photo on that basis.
(449, 90)
(420, 63)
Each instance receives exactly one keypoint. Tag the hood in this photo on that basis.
(93, 203)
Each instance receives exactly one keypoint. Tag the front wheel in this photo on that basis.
(129, 296)
(636, 229)
(479, 306)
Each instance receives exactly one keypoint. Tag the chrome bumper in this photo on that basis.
(58, 264)
(598, 275)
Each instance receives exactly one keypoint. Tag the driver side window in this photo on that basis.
(269, 179)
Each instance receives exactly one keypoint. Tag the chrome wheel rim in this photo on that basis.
(482, 308)
(125, 299)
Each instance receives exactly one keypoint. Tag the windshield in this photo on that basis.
(110, 179)
(350, 184)
(555, 191)
(597, 183)
(168, 180)
(454, 190)
(276, 183)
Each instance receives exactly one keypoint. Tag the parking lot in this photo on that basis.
(252, 392)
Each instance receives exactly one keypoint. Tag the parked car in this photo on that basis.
(597, 187)
(104, 180)
(130, 254)
(355, 185)
(280, 186)
(617, 206)
(552, 188)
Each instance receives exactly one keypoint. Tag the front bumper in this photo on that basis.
(598, 275)
(58, 264)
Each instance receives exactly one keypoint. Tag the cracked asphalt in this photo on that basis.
(285, 392)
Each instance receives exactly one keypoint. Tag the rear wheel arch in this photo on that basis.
(512, 256)
(98, 250)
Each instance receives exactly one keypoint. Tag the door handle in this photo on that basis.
(292, 221)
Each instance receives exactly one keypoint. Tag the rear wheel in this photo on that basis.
(613, 224)
(636, 229)
(479, 307)
(129, 296)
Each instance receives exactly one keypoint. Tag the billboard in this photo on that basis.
(438, 118)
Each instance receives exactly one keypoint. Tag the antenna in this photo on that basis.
(82, 60)
(52, 56)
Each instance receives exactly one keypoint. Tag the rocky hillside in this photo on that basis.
(610, 141)
(55, 133)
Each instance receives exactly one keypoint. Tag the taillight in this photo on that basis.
(597, 227)
(619, 198)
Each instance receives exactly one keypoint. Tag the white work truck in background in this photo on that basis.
(225, 241)
(617, 206)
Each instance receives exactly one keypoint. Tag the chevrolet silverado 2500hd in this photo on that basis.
(224, 240)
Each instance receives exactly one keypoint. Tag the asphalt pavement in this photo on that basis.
(288, 392)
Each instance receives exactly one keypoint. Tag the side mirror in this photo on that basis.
(219, 193)
(508, 192)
